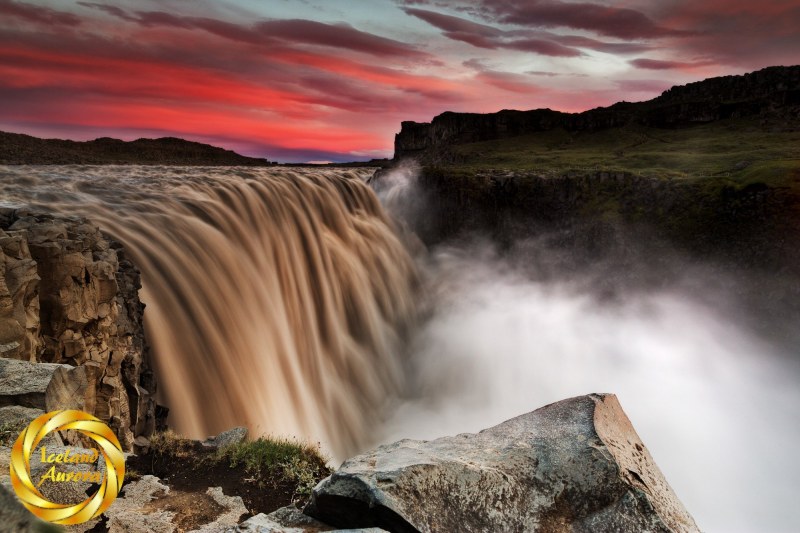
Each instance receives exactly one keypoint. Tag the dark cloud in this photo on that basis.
(37, 14)
(740, 33)
(483, 36)
(161, 18)
(616, 48)
(723, 33)
(455, 25)
(620, 22)
(540, 42)
(658, 64)
(336, 36)
(543, 47)
(555, 74)
(111, 10)
(268, 32)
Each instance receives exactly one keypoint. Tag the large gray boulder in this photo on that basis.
(576, 465)
(25, 384)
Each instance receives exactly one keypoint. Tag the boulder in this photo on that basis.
(290, 520)
(24, 383)
(14, 517)
(575, 465)
(16, 417)
(17, 414)
(227, 438)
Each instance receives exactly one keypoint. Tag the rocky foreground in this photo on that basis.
(71, 336)
(575, 465)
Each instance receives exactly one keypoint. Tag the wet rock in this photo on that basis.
(576, 465)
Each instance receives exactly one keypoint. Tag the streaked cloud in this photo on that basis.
(327, 81)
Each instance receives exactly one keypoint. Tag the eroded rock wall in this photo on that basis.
(69, 295)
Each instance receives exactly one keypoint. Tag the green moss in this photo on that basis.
(282, 459)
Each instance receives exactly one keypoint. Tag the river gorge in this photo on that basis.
(302, 302)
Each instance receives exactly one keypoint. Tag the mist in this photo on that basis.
(508, 332)
(500, 330)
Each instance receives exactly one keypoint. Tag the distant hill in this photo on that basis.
(19, 149)
(771, 95)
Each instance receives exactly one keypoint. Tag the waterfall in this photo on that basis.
(285, 300)
(277, 299)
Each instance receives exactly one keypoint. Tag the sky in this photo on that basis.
(331, 80)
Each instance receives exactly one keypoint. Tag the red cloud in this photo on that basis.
(309, 87)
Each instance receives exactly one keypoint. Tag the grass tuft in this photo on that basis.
(168, 444)
(271, 460)
(289, 468)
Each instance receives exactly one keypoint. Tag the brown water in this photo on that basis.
(281, 299)
(276, 299)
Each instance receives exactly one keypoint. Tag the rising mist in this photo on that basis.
(289, 301)
(514, 328)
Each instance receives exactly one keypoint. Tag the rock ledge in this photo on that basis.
(575, 465)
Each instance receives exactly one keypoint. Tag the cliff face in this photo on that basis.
(772, 92)
(752, 225)
(69, 295)
(18, 149)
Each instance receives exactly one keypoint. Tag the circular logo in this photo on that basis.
(28, 491)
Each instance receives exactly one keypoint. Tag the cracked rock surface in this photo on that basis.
(69, 296)
(575, 465)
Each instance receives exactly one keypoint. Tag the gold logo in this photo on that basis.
(28, 491)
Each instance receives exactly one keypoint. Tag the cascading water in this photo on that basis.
(283, 299)
(275, 299)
